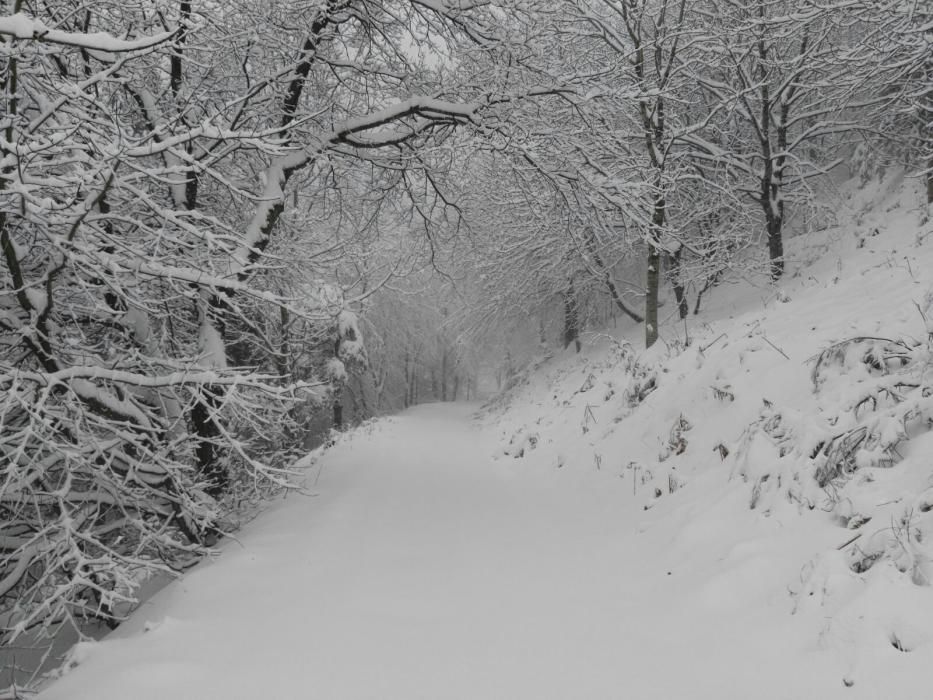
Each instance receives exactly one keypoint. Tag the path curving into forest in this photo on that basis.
(424, 568)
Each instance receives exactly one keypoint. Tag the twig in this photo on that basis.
(318, 475)
(848, 542)
(765, 338)
(853, 340)
(634, 466)
(706, 347)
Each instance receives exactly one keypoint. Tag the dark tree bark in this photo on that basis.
(930, 181)
(571, 318)
(680, 292)
(209, 465)
(211, 469)
(651, 296)
(593, 249)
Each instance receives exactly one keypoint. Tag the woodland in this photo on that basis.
(228, 229)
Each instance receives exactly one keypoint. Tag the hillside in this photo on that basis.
(782, 458)
(748, 515)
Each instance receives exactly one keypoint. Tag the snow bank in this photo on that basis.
(781, 457)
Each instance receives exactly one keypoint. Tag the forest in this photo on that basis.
(229, 229)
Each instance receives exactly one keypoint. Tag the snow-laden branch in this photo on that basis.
(21, 26)
(426, 107)
(448, 7)
(373, 128)
(26, 557)
(206, 130)
(170, 379)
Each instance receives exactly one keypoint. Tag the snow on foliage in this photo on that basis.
(211, 344)
(813, 415)
(143, 398)
(351, 350)
(348, 325)
(336, 371)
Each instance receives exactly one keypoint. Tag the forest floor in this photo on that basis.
(619, 524)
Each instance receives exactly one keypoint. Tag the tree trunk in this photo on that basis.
(571, 318)
(203, 421)
(210, 469)
(651, 295)
(680, 291)
(653, 282)
(775, 241)
(607, 278)
(338, 387)
(930, 181)
(776, 234)
(774, 219)
(443, 375)
(710, 282)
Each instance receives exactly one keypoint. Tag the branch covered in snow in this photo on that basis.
(21, 26)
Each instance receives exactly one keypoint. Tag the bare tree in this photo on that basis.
(890, 52)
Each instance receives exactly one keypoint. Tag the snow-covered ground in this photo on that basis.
(620, 524)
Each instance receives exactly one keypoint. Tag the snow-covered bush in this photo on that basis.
(882, 398)
(127, 436)
(875, 397)
(149, 378)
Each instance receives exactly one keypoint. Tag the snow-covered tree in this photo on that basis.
(147, 155)
(787, 101)
(891, 51)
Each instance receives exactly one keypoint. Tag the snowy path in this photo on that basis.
(425, 569)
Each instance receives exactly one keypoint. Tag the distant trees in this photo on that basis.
(890, 52)
(671, 127)
(648, 39)
(606, 158)
(415, 330)
(774, 68)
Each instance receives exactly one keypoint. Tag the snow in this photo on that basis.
(211, 344)
(22, 26)
(38, 299)
(335, 370)
(619, 524)
(348, 324)
(89, 391)
(431, 571)
(415, 105)
(432, 568)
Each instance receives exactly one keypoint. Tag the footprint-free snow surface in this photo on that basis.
(423, 568)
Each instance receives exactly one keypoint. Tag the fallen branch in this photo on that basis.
(706, 347)
(848, 542)
(765, 338)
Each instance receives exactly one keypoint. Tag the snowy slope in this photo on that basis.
(530, 557)
(728, 445)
